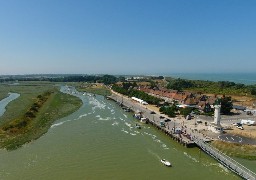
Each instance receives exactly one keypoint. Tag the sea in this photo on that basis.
(243, 78)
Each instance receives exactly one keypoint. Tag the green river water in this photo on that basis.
(99, 141)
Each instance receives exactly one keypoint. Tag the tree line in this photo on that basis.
(128, 89)
(220, 87)
(106, 79)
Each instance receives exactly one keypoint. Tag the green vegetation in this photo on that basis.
(99, 89)
(226, 105)
(236, 150)
(3, 95)
(106, 79)
(32, 114)
(186, 111)
(179, 84)
(128, 90)
(221, 87)
(28, 92)
(168, 110)
(20, 124)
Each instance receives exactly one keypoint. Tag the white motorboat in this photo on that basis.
(166, 163)
(144, 120)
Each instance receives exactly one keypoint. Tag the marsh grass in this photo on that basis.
(236, 150)
(31, 115)
(94, 88)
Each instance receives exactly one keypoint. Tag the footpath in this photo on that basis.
(188, 133)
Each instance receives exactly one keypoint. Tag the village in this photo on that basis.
(186, 131)
(240, 120)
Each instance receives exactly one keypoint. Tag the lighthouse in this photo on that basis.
(217, 114)
(215, 125)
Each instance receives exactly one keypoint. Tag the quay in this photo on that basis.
(154, 119)
(191, 138)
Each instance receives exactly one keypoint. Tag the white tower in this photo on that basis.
(217, 114)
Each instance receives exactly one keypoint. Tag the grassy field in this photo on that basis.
(236, 150)
(93, 88)
(28, 92)
(30, 116)
(3, 94)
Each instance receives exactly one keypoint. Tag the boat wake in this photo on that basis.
(124, 131)
(104, 119)
(223, 168)
(154, 137)
(154, 154)
(97, 104)
(115, 123)
(83, 115)
(190, 157)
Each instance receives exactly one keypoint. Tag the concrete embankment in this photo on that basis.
(155, 118)
(189, 138)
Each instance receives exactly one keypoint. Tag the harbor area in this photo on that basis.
(189, 133)
(178, 128)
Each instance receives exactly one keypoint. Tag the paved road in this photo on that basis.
(145, 111)
(236, 139)
(198, 138)
(156, 117)
(228, 119)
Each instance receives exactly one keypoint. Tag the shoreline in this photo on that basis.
(190, 125)
(57, 106)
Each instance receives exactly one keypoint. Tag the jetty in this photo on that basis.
(190, 138)
(225, 160)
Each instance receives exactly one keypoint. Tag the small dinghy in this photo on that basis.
(137, 126)
(166, 163)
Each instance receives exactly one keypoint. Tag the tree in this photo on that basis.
(226, 105)
(109, 79)
(121, 78)
(179, 84)
(186, 111)
(168, 110)
(253, 91)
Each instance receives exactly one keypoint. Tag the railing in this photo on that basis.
(226, 160)
(221, 157)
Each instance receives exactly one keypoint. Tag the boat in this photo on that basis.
(127, 109)
(137, 126)
(166, 163)
(137, 116)
(144, 120)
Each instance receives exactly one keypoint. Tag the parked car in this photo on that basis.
(167, 120)
(237, 124)
(240, 127)
(234, 124)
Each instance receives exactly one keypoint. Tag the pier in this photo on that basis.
(225, 160)
(190, 139)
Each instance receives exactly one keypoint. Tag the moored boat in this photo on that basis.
(137, 126)
(144, 120)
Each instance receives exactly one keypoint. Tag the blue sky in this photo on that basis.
(127, 36)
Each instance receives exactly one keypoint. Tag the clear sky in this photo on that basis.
(127, 36)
